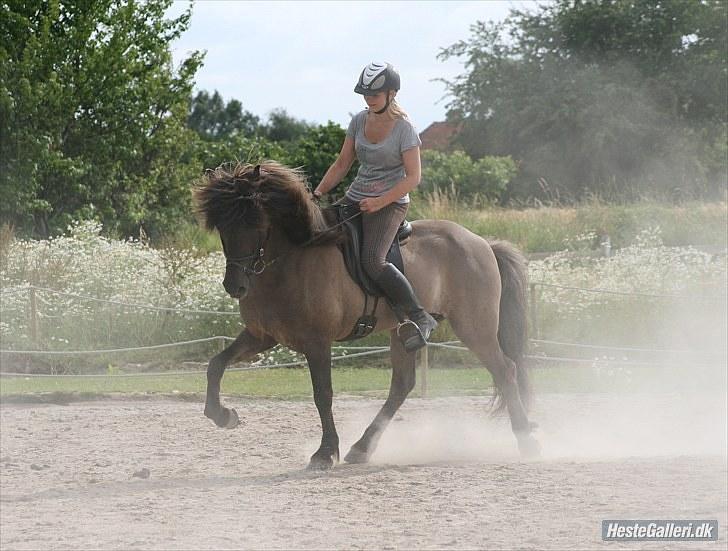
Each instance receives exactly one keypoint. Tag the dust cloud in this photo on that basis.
(668, 404)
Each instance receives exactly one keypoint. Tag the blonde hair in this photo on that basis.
(396, 110)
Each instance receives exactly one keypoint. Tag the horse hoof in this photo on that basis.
(233, 420)
(356, 456)
(320, 464)
(529, 447)
(323, 460)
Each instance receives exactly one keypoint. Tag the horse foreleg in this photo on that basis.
(403, 381)
(245, 346)
(319, 364)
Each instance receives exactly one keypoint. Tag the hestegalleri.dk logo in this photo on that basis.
(659, 530)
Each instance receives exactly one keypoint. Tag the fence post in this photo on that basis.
(33, 316)
(424, 365)
(534, 311)
(33, 325)
(222, 343)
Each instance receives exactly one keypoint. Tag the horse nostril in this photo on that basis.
(229, 289)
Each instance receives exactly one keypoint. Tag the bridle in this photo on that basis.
(255, 264)
(252, 264)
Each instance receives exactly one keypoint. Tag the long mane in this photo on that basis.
(252, 196)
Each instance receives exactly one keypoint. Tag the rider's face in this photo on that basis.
(377, 101)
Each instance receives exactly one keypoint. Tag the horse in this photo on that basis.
(284, 267)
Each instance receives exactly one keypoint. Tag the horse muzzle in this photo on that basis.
(236, 286)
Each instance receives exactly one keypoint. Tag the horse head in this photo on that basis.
(246, 204)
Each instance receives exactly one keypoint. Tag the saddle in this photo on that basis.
(351, 247)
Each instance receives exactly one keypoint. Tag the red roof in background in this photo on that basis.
(439, 135)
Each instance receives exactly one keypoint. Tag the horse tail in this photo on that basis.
(513, 324)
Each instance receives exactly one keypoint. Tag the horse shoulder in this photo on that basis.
(318, 287)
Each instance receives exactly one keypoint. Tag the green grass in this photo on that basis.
(548, 229)
(295, 384)
(269, 383)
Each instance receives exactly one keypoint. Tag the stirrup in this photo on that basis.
(412, 339)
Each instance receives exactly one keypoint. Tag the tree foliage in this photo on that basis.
(93, 115)
(610, 97)
(316, 150)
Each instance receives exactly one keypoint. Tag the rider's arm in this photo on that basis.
(339, 169)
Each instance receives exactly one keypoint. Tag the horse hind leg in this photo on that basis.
(403, 381)
(506, 378)
(245, 346)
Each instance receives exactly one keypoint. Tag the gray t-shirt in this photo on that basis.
(380, 164)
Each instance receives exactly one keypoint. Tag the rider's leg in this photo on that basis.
(380, 229)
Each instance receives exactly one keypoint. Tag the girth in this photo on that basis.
(346, 214)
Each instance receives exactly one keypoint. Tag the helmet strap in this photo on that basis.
(386, 105)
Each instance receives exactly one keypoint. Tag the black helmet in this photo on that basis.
(377, 77)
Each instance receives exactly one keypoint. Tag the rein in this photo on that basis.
(255, 264)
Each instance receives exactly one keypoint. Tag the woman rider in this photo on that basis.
(388, 149)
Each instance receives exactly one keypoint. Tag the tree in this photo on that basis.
(316, 150)
(212, 118)
(608, 97)
(282, 127)
(93, 115)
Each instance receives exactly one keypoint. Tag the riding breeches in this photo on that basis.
(379, 229)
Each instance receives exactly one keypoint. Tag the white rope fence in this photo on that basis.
(111, 350)
(200, 371)
(119, 303)
(629, 293)
(622, 348)
(588, 361)
(363, 351)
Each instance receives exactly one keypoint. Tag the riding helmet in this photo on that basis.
(377, 77)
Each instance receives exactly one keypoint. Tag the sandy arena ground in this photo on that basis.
(446, 476)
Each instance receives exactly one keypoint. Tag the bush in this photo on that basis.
(483, 180)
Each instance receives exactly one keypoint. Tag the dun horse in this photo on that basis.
(285, 269)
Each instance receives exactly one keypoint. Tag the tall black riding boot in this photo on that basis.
(398, 290)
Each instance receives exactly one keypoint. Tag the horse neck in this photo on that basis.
(280, 253)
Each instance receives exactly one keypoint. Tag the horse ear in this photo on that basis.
(256, 173)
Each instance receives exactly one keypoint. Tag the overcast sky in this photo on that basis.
(306, 56)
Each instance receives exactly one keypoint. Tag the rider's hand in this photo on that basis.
(372, 204)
